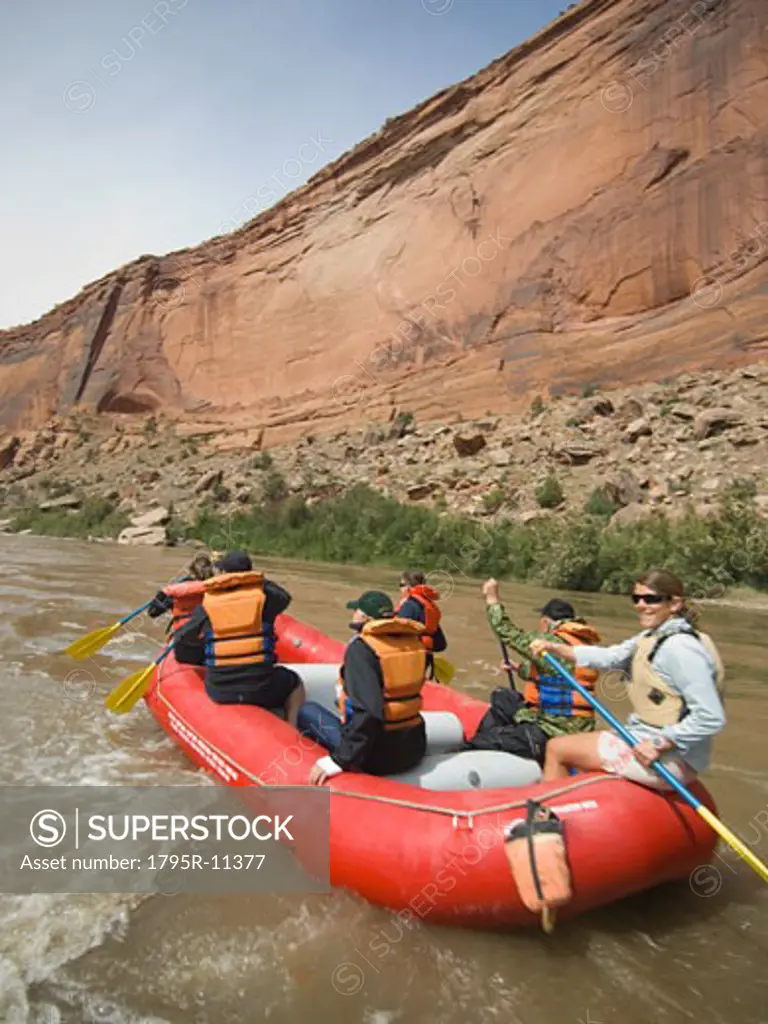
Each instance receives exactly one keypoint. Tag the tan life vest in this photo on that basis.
(403, 658)
(652, 699)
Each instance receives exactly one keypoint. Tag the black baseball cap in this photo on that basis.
(235, 561)
(557, 609)
(374, 603)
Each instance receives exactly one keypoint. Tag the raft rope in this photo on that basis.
(395, 801)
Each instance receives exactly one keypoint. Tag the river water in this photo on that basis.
(696, 950)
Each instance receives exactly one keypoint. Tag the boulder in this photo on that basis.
(65, 501)
(598, 405)
(624, 489)
(468, 444)
(714, 421)
(500, 457)
(744, 437)
(208, 480)
(148, 520)
(420, 491)
(153, 536)
(575, 453)
(683, 411)
(5, 525)
(634, 513)
(534, 515)
(636, 429)
(630, 409)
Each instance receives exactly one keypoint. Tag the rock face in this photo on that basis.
(538, 226)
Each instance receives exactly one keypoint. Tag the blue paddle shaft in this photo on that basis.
(165, 653)
(135, 612)
(625, 734)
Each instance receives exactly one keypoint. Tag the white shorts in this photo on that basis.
(617, 758)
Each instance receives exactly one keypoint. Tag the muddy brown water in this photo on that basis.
(696, 950)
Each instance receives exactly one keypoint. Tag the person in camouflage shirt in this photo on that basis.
(522, 724)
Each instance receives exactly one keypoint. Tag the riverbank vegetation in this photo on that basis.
(95, 517)
(583, 551)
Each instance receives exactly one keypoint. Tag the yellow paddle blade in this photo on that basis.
(92, 642)
(734, 842)
(131, 690)
(444, 670)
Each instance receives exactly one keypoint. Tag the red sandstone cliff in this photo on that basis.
(540, 225)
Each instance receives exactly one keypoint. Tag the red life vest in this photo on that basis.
(427, 598)
(186, 597)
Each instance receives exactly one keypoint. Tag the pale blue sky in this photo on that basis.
(145, 126)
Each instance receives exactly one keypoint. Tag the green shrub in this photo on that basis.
(493, 500)
(600, 503)
(96, 517)
(274, 487)
(549, 493)
(262, 461)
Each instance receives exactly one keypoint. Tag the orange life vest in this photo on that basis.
(427, 598)
(397, 643)
(234, 603)
(550, 692)
(186, 597)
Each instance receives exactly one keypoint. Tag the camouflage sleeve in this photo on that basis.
(519, 639)
(505, 629)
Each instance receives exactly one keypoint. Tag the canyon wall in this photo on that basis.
(592, 208)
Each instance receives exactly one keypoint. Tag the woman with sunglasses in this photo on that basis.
(675, 684)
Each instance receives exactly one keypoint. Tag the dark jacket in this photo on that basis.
(233, 676)
(365, 746)
(413, 609)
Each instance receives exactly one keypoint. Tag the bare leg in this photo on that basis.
(293, 704)
(564, 752)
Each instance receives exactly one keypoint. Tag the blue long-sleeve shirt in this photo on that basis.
(687, 667)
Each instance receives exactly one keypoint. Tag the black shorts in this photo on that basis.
(271, 693)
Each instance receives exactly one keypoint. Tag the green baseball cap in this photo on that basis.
(374, 603)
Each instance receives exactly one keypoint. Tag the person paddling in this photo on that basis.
(676, 684)
(418, 601)
(180, 598)
(524, 724)
(237, 623)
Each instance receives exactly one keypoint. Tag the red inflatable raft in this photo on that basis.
(431, 852)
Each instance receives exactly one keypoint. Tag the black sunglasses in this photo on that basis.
(649, 598)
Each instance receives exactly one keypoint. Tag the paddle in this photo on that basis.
(93, 642)
(714, 823)
(505, 653)
(133, 687)
(443, 669)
